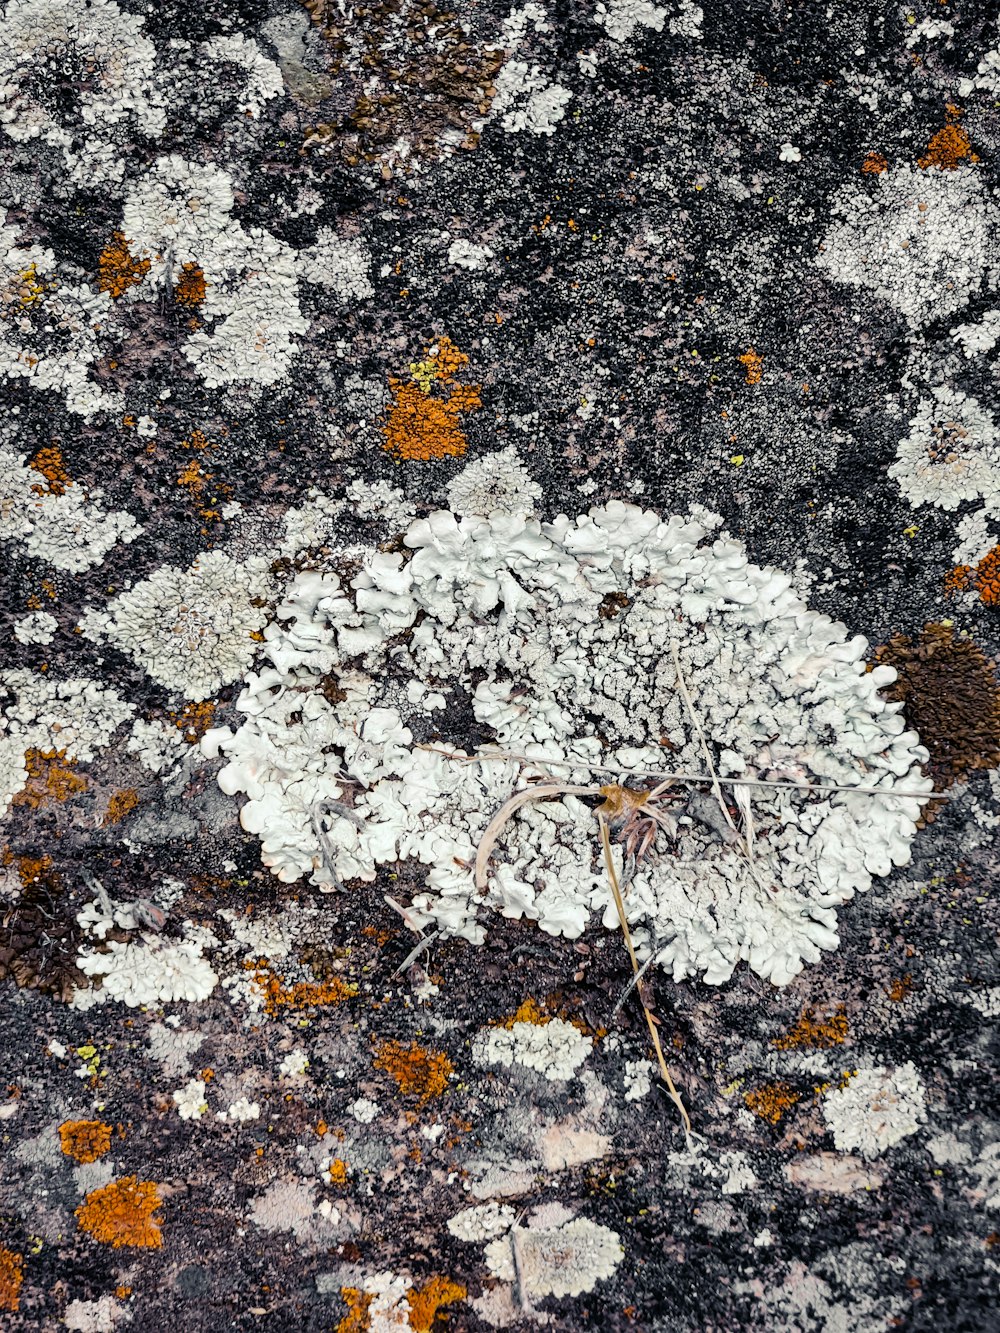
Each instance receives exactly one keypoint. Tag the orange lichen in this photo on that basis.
(528, 1011)
(338, 1171)
(194, 720)
(900, 988)
(190, 288)
(49, 462)
(812, 1031)
(947, 149)
(418, 1072)
(301, 994)
(50, 778)
(753, 363)
(987, 577)
(120, 804)
(358, 1303)
(123, 1214)
(771, 1101)
(874, 164)
(957, 579)
(426, 1302)
(117, 271)
(85, 1140)
(11, 1277)
(419, 426)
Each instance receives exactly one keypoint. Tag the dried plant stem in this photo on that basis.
(509, 808)
(528, 761)
(627, 936)
(706, 752)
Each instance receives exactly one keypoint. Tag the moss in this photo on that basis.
(123, 1214)
(85, 1140)
(418, 1072)
(950, 695)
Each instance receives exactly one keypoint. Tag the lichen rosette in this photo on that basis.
(559, 641)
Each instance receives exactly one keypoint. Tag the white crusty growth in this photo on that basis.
(560, 638)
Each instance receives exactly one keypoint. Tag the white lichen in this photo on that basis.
(566, 1260)
(952, 453)
(876, 1110)
(498, 483)
(482, 1222)
(554, 632)
(922, 241)
(556, 1049)
(189, 629)
(190, 1100)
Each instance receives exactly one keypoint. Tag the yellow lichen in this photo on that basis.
(358, 1302)
(117, 271)
(194, 720)
(123, 1214)
(753, 364)
(812, 1031)
(11, 1277)
(85, 1140)
(418, 1072)
(338, 1171)
(426, 1302)
(771, 1101)
(120, 804)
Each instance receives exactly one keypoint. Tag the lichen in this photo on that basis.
(810, 1030)
(417, 1071)
(771, 1101)
(11, 1278)
(85, 1140)
(949, 691)
(420, 426)
(117, 269)
(123, 1214)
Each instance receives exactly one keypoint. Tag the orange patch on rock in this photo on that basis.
(753, 363)
(874, 164)
(421, 425)
(301, 994)
(987, 577)
(947, 149)
(426, 1302)
(191, 287)
(50, 778)
(820, 1033)
(123, 1214)
(120, 804)
(49, 463)
(418, 1072)
(117, 271)
(11, 1277)
(771, 1101)
(85, 1140)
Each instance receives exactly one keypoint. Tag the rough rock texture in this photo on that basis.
(424, 429)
